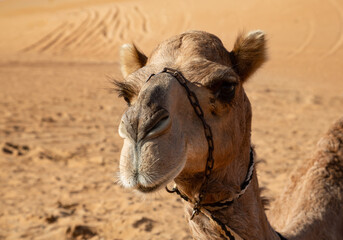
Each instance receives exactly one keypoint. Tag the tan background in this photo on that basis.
(58, 118)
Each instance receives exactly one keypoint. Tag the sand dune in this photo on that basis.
(58, 139)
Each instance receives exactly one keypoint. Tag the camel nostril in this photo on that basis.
(160, 126)
(158, 123)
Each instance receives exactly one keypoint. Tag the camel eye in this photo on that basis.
(127, 100)
(226, 92)
(127, 90)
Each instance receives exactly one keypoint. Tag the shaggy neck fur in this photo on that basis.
(245, 216)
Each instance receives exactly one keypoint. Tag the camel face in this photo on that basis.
(163, 137)
(154, 149)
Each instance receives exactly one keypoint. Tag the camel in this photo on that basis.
(200, 139)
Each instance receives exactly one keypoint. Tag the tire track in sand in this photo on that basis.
(58, 38)
(338, 43)
(310, 34)
(75, 35)
(53, 36)
(144, 21)
(94, 31)
(107, 33)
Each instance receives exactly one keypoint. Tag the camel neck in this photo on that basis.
(245, 215)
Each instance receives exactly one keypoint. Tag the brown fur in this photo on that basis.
(250, 51)
(164, 141)
(312, 202)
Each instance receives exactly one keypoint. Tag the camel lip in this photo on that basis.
(151, 189)
(158, 184)
(156, 187)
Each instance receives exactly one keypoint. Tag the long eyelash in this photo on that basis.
(126, 90)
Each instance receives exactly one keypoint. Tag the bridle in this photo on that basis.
(198, 206)
(208, 134)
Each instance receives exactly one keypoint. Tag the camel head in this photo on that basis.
(163, 137)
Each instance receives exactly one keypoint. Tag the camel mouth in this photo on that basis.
(151, 189)
(154, 188)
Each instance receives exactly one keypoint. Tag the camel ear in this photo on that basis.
(131, 59)
(249, 53)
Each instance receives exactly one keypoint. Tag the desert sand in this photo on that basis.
(59, 146)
